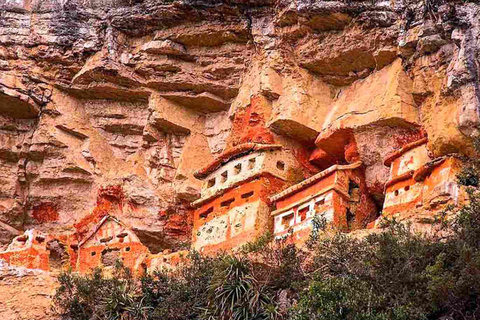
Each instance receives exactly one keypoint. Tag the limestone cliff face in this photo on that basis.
(120, 101)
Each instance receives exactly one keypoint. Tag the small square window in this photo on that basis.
(237, 169)
(286, 220)
(318, 205)
(302, 214)
(251, 163)
(224, 176)
(281, 165)
(211, 183)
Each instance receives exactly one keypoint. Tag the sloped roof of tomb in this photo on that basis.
(232, 154)
(419, 174)
(392, 156)
(99, 225)
(319, 176)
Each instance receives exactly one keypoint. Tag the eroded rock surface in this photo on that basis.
(19, 285)
(109, 107)
(117, 103)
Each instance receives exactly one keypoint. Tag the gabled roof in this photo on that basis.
(419, 174)
(98, 226)
(231, 154)
(398, 153)
(319, 176)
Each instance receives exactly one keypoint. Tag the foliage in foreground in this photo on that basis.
(395, 274)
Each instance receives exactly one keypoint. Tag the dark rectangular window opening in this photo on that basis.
(237, 169)
(251, 163)
(205, 214)
(22, 239)
(247, 195)
(281, 165)
(318, 204)
(286, 220)
(354, 191)
(350, 216)
(105, 240)
(302, 213)
(227, 203)
(211, 183)
(224, 176)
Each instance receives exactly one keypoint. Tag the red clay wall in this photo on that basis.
(29, 258)
(90, 258)
(365, 209)
(427, 187)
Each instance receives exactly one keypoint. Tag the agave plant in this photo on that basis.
(234, 293)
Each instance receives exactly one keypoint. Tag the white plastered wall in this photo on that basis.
(410, 160)
(295, 221)
(17, 245)
(279, 163)
(240, 219)
(402, 196)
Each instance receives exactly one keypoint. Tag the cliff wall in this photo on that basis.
(119, 102)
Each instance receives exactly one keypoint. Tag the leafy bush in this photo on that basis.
(181, 294)
(97, 296)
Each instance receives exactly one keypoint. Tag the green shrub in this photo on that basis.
(181, 294)
(97, 296)
(235, 293)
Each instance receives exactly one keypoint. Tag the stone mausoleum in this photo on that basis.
(234, 206)
(107, 241)
(337, 194)
(418, 182)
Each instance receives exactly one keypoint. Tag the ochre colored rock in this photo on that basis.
(108, 109)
